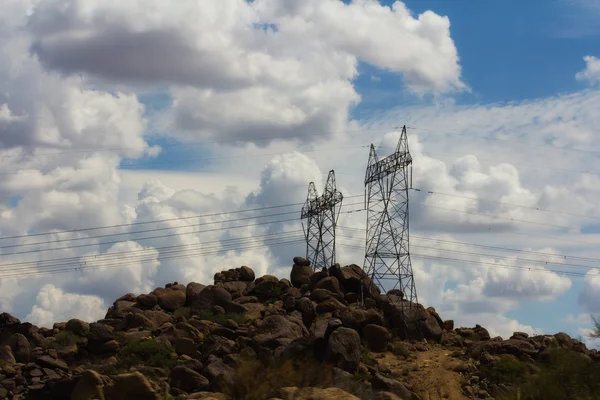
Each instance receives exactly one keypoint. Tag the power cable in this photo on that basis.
(160, 220)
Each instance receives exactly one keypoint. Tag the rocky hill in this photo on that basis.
(265, 338)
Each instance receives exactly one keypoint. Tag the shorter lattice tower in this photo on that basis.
(387, 257)
(321, 213)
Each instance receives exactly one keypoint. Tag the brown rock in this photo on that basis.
(377, 337)
(332, 284)
(330, 305)
(312, 393)
(131, 386)
(47, 361)
(343, 348)
(276, 327)
(380, 382)
(246, 274)
(119, 309)
(171, 300)
(300, 275)
(449, 325)
(187, 379)
(77, 327)
(186, 346)
(89, 386)
(147, 300)
(20, 347)
(6, 355)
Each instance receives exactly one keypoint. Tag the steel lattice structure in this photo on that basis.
(321, 213)
(387, 257)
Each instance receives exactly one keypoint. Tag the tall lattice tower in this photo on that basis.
(321, 213)
(387, 257)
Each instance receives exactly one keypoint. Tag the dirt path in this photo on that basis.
(429, 373)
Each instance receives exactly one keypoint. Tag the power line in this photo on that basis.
(513, 205)
(494, 265)
(470, 135)
(60, 270)
(152, 250)
(159, 220)
(160, 236)
(152, 254)
(459, 243)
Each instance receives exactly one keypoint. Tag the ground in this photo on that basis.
(431, 375)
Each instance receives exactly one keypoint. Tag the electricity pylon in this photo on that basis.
(321, 213)
(387, 257)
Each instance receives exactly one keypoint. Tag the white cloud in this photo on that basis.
(229, 76)
(54, 305)
(590, 295)
(591, 72)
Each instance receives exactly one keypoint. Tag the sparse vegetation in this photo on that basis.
(508, 369)
(399, 349)
(564, 375)
(256, 380)
(62, 340)
(149, 353)
(220, 318)
(182, 312)
(368, 359)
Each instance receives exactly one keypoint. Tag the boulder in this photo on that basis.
(192, 291)
(353, 279)
(186, 346)
(88, 386)
(332, 284)
(97, 336)
(77, 327)
(20, 347)
(312, 393)
(220, 374)
(187, 380)
(301, 261)
(308, 310)
(131, 386)
(246, 274)
(330, 305)
(7, 356)
(301, 274)
(277, 327)
(380, 382)
(376, 337)
(343, 349)
(171, 299)
(357, 318)
(147, 300)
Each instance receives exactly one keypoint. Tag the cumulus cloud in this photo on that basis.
(589, 297)
(247, 69)
(591, 72)
(54, 305)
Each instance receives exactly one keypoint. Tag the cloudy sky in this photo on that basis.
(143, 142)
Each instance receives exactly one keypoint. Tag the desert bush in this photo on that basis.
(63, 339)
(149, 353)
(220, 318)
(507, 370)
(564, 375)
(368, 359)
(182, 312)
(257, 380)
(399, 349)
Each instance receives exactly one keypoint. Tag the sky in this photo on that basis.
(143, 143)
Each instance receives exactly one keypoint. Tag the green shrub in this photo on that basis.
(368, 359)
(508, 370)
(63, 339)
(564, 374)
(220, 318)
(2, 363)
(149, 353)
(399, 349)
(182, 312)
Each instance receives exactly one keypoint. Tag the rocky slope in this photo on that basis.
(265, 338)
